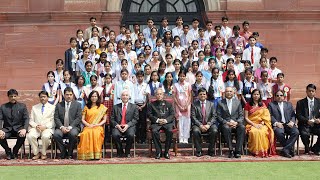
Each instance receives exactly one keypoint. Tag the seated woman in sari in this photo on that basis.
(91, 138)
(259, 129)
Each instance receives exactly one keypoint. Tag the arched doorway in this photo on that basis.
(137, 11)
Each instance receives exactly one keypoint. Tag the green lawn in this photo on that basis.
(218, 170)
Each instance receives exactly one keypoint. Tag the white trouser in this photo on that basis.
(184, 127)
(45, 135)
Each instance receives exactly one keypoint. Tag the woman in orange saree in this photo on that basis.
(92, 137)
(259, 129)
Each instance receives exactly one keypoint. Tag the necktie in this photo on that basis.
(42, 109)
(66, 116)
(229, 106)
(252, 60)
(283, 119)
(311, 110)
(123, 119)
(203, 109)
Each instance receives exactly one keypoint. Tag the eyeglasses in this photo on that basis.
(279, 95)
(148, 49)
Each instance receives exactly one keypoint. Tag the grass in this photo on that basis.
(222, 170)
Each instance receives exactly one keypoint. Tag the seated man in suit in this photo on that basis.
(123, 122)
(67, 118)
(283, 121)
(203, 117)
(15, 119)
(41, 125)
(161, 115)
(230, 117)
(308, 115)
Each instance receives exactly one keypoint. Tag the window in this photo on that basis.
(138, 11)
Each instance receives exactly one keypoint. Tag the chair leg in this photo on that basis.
(55, 150)
(220, 144)
(103, 150)
(298, 153)
(51, 148)
(29, 152)
(22, 150)
(134, 146)
(150, 147)
(111, 146)
(192, 146)
(215, 147)
(175, 146)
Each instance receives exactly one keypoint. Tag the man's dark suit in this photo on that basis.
(302, 111)
(289, 115)
(68, 61)
(224, 116)
(15, 117)
(132, 116)
(161, 110)
(210, 119)
(75, 116)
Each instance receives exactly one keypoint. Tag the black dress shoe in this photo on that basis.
(9, 156)
(119, 155)
(285, 154)
(237, 155)
(306, 150)
(292, 153)
(210, 154)
(15, 156)
(230, 154)
(70, 157)
(317, 153)
(166, 155)
(128, 155)
(198, 154)
(158, 156)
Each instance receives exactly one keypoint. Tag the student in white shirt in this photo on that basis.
(177, 48)
(194, 32)
(147, 30)
(95, 37)
(178, 30)
(209, 32)
(225, 30)
(252, 53)
(141, 100)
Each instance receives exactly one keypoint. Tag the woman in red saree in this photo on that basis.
(94, 117)
(259, 128)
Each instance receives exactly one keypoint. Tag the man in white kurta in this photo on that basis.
(41, 125)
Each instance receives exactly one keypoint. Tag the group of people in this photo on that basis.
(208, 80)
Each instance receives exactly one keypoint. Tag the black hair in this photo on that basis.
(12, 92)
(140, 73)
(165, 82)
(235, 80)
(89, 103)
(311, 86)
(202, 89)
(43, 93)
(260, 103)
(273, 58)
(245, 22)
(68, 89)
(224, 18)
